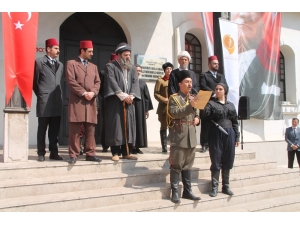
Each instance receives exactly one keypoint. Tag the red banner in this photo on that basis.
(19, 38)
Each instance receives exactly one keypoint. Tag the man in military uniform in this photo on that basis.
(183, 119)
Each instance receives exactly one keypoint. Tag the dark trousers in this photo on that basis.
(104, 146)
(221, 149)
(204, 130)
(291, 158)
(121, 149)
(53, 131)
(74, 139)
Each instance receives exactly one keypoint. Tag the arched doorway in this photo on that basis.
(105, 33)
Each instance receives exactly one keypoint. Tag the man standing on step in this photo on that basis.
(182, 136)
(48, 72)
(83, 81)
(292, 137)
(121, 86)
(208, 82)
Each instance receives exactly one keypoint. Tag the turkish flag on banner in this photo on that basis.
(19, 41)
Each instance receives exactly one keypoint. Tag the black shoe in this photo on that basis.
(55, 157)
(72, 160)
(204, 148)
(93, 158)
(139, 151)
(81, 152)
(134, 151)
(41, 158)
(105, 150)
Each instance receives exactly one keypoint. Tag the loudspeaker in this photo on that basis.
(244, 108)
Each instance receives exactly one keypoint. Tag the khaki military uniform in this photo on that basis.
(182, 132)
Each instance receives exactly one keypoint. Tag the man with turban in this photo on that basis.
(184, 59)
(121, 86)
(48, 72)
(208, 82)
(83, 80)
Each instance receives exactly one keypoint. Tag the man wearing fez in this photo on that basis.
(184, 117)
(208, 82)
(121, 86)
(105, 147)
(184, 59)
(83, 81)
(48, 72)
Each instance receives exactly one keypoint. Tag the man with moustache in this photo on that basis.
(48, 72)
(208, 82)
(83, 80)
(184, 117)
(121, 86)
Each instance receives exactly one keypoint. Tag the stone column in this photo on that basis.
(15, 146)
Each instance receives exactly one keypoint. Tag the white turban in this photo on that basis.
(184, 54)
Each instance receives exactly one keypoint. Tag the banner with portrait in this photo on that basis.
(259, 57)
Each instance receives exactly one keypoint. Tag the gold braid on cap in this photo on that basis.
(169, 117)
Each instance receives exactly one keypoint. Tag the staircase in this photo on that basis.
(143, 185)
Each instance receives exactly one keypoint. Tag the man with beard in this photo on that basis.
(184, 59)
(83, 81)
(121, 86)
(208, 82)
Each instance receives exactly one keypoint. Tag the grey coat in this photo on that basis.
(46, 86)
(291, 138)
(114, 108)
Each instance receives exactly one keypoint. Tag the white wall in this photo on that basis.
(154, 34)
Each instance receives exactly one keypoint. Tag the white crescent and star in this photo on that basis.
(19, 25)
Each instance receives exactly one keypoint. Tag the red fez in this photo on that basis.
(113, 57)
(212, 58)
(50, 42)
(86, 44)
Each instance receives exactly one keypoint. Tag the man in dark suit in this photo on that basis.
(184, 59)
(46, 86)
(208, 82)
(292, 137)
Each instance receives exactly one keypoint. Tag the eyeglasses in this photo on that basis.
(139, 70)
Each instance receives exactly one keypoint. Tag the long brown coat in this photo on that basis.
(160, 93)
(82, 79)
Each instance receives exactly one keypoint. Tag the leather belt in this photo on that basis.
(187, 122)
(178, 123)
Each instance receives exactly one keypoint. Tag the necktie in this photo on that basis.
(294, 132)
(84, 62)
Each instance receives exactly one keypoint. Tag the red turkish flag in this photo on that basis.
(19, 38)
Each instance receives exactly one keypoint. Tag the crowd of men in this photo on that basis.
(124, 109)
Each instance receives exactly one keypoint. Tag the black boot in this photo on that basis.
(186, 180)
(163, 140)
(225, 182)
(174, 180)
(214, 183)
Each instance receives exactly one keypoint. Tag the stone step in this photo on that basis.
(134, 194)
(289, 203)
(251, 195)
(34, 169)
(12, 188)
